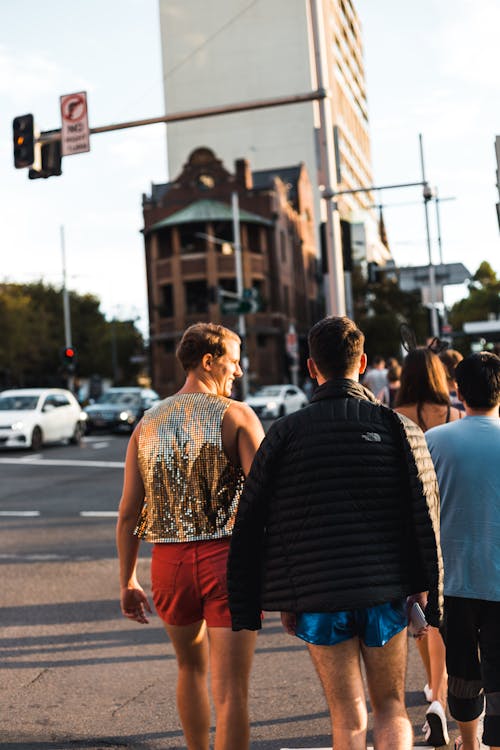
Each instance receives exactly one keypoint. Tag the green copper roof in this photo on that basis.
(206, 210)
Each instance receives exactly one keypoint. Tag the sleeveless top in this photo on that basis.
(191, 487)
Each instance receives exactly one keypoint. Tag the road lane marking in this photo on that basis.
(99, 446)
(99, 513)
(44, 558)
(62, 462)
(23, 513)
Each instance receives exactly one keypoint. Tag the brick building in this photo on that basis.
(188, 230)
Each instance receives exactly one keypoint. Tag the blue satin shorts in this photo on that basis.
(375, 626)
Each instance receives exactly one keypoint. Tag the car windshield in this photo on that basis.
(18, 403)
(269, 390)
(119, 397)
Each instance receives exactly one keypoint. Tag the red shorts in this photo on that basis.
(189, 582)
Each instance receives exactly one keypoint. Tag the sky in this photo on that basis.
(431, 68)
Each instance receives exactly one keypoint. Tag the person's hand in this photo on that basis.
(134, 604)
(289, 622)
(421, 599)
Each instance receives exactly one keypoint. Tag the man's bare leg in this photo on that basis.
(191, 648)
(385, 674)
(339, 670)
(231, 656)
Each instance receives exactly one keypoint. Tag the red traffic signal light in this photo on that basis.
(24, 141)
(68, 356)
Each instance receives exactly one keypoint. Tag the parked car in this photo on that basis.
(119, 409)
(273, 401)
(31, 417)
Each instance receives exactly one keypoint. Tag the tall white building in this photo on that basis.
(219, 52)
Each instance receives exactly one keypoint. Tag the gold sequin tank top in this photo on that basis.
(191, 487)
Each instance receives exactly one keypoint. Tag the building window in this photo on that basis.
(228, 285)
(283, 246)
(262, 340)
(253, 238)
(286, 299)
(169, 346)
(165, 249)
(190, 239)
(196, 293)
(166, 308)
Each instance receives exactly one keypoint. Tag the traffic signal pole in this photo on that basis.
(66, 308)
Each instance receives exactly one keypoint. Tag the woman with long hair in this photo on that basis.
(424, 397)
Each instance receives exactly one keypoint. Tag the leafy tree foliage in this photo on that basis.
(32, 338)
(380, 308)
(483, 298)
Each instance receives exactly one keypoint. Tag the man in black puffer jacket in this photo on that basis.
(338, 524)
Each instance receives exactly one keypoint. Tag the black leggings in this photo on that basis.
(471, 632)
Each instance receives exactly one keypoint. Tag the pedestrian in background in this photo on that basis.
(335, 528)
(388, 395)
(184, 474)
(450, 359)
(423, 397)
(466, 455)
(376, 376)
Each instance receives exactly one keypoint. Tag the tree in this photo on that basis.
(33, 338)
(379, 309)
(482, 301)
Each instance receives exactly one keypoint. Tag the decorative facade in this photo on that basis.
(188, 228)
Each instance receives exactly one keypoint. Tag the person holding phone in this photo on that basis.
(336, 527)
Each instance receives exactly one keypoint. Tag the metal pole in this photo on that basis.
(195, 114)
(438, 225)
(432, 270)
(66, 308)
(335, 280)
(440, 246)
(239, 291)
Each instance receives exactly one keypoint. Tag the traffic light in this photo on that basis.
(24, 141)
(50, 162)
(69, 358)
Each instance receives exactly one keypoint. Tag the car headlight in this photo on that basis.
(83, 416)
(271, 407)
(126, 416)
(17, 426)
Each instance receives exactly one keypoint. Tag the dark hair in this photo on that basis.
(394, 373)
(200, 339)
(478, 379)
(336, 345)
(450, 359)
(423, 380)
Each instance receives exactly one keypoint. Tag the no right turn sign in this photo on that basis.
(75, 133)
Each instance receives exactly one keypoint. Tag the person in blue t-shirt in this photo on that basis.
(466, 456)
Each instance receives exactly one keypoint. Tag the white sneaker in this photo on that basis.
(428, 693)
(435, 728)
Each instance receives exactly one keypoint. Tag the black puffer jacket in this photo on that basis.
(340, 510)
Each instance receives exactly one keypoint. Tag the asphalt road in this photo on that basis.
(73, 672)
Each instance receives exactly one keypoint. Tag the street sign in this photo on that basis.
(236, 306)
(292, 342)
(75, 133)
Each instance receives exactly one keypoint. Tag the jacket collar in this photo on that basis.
(343, 388)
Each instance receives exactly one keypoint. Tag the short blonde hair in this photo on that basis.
(200, 339)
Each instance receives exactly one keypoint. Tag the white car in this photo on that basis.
(31, 417)
(273, 401)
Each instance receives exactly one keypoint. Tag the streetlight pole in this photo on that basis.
(336, 304)
(242, 331)
(432, 270)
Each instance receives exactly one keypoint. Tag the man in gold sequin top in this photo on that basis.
(184, 473)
